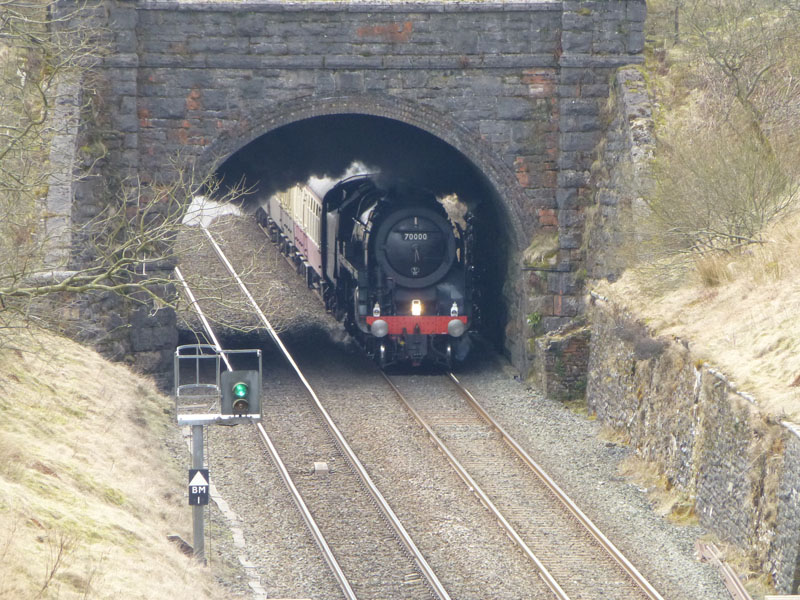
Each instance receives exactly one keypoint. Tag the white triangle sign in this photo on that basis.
(198, 480)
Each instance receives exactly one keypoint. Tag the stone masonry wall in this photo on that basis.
(620, 174)
(515, 87)
(709, 439)
(785, 554)
(92, 159)
(561, 361)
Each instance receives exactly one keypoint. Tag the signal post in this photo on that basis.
(212, 396)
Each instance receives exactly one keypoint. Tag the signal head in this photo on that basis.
(240, 393)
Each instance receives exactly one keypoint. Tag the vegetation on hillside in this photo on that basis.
(718, 248)
(726, 78)
(45, 47)
(88, 491)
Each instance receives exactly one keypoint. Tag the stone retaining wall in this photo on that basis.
(710, 440)
(561, 360)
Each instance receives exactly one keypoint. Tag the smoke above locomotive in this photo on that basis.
(387, 260)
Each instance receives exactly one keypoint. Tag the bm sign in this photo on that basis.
(198, 487)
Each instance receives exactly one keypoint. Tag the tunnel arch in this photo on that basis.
(508, 193)
(500, 224)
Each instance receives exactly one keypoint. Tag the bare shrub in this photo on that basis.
(644, 345)
(726, 76)
(716, 192)
(59, 545)
(746, 53)
(646, 348)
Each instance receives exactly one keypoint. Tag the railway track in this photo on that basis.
(275, 458)
(349, 517)
(494, 467)
(474, 559)
(569, 552)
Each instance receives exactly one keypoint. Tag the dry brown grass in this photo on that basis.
(88, 491)
(668, 501)
(740, 314)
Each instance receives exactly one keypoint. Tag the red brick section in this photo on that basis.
(548, 217)
(541, 84)
(522, 171)
(194, 100)
(144, 118)
(393, 32)
(558, 305)
(564, 360)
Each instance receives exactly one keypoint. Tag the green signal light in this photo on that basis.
(239, 393)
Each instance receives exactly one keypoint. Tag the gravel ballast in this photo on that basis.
(566, 444)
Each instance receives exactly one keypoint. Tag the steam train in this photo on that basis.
(386, 260)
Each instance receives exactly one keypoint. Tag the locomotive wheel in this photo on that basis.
(449, 357)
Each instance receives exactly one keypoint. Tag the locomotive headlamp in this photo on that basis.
(416, 307)
(456, 327)
(454, 310)
(379, 328)
(376, 310)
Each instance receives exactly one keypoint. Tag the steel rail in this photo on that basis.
(548, 579)
(311, 524)
(593, 530)
(709, 552)
(344, 447)
(206, 325)
(305, 513)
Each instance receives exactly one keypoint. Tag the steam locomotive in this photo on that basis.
(386, 260)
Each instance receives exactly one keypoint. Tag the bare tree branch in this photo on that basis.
(128, 249)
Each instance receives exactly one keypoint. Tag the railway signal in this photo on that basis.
(240, 393)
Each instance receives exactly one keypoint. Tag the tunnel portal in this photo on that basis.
(508, 94)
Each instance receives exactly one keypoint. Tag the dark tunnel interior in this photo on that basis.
(326, 146)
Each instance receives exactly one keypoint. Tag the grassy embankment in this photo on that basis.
(88, 488)
(736, 305)
(739, 313)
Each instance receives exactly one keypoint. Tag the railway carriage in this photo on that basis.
(307, 215)
(293, 218)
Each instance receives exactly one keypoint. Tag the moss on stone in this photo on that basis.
(542, 252)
